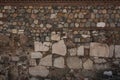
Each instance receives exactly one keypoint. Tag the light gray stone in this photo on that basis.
(35, 21)
(99, 60)
(111, 50)
(55, 36)
(15, 58)
(59, 48)
(88, 64)
(73, 52)
(38, 46)
(80, 51)
(53, 16)
(101, 24)
(99, 50)
(74, 62)
(59, 62)
(39, 71)
(46, 61)
(1, 15)
(1, 22)
(48, 25)
(117, 51)
(35, 55)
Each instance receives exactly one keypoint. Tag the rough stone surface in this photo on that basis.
(46, 61)
(38, 46)
(59, 48)
(80, 51)
(73, 52)
(88, 64)
(39, 71)
(117, 51)
(1, 15)
(36, 55)
(59, 62)
(74, 62)
(55, 36)
(101, 24)
(99, 50)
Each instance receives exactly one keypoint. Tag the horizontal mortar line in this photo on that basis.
(83, 28)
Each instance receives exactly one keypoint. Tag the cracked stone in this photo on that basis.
(46, 61)
(59, 48)
(59, 62)
(74, 62)
(39, 71)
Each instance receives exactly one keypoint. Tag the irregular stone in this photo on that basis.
(41, 25)
(46, 61)
(101, 66)
(59, 48)
(99, 50)
(48, 25)
(80, 51)
(73, 52)
(38, 46)
(76, 24)
(101, 24)
(117, 51)
(74, 62)
(36, 55)
(1, 22)
(15, 58)
(59, 62)
(88, 64)
(20, 31)
(53, 16)
(98, 60)
(64, 11)
(32, 62)
(14, 31)
(39, 71)
(55, 36)
(1, 15)
(35, 21)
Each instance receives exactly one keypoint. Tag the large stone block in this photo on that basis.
(88, 64)
(46, 61)
(80, 51)
(99, 50)
(59, 48)
(59, 62)
(38, 71)
(74, 62)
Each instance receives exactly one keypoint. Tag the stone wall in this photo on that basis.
(38, 42)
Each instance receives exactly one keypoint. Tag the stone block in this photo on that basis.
(59, 62)
(80, 51)
(74, 62)
(117, 51)
(99, 50)
(59, 48)
(88, 64)
(36, 55)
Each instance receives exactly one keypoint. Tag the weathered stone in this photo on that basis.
(38, 71)
(59, 62)
(101, 66)
(14, 31)
(55, 36)
(73, 52)
(48, 25)
(80, 51)
(38, 46)
(101, 24)
(15, 58)
(46, 61)
(35, 21)
(74, 62)
(53, 16)
(76, 24)
(1, 15)
(1, 22)
(88, 64)
(99, 60)
(59, 48)
(32, 62)
(35, 55)
(111, 50)
(117, 51)
(99, 50)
